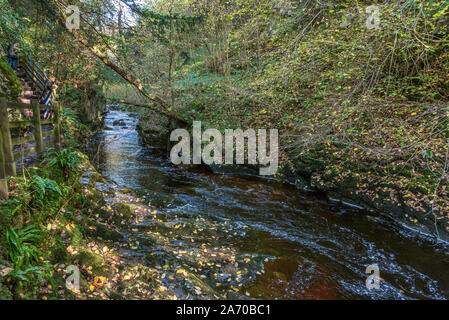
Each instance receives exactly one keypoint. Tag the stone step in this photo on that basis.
(28, 86)
(24, 100)
(30, 97)
(28, 100)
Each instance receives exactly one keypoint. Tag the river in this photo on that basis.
(293, 245)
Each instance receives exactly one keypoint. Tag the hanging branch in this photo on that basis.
(137, 83)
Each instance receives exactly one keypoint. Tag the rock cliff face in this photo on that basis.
(93, 108)
(154, 129)
(5, 89)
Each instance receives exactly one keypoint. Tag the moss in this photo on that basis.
(5, 293)
(59, 252)
(77, 238)
(93, 260)
(103, 232)
(96, 177)
(124, 210)
(10, 75)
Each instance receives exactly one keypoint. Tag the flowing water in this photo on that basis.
(289, 245)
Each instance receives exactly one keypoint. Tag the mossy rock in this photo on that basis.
(10, 85)
(59, 252)
(103, 232)
(107, 234)
(124, 211)
(143, 280)
(97, 197)
(93, 260)
(96, 177)
(193, 283)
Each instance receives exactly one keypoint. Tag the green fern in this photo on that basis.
(23, 253)
(44, 189)
(22, 250)
(67, 160)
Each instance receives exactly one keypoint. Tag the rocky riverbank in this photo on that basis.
(406, 202)
(95, 230)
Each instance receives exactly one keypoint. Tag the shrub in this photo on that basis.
(67, 160)
(44, 189)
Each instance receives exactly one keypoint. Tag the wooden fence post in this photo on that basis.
(10, 164)
(57, 125)
(38, 129)
(3, 181)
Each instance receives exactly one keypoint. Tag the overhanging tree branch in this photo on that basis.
(137, 83)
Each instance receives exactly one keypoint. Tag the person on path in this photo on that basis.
(13, 55)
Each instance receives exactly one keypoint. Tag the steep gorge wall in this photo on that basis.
(93, 108)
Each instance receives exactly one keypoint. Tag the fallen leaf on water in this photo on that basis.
(181, 271)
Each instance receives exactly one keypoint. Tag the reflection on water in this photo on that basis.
(316, 249)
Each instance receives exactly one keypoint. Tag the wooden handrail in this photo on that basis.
(9, 164)
(32, 75)
(7, 155)
(3, 180)
(36, 68)
(21, 105)
(35, 65)
(37, 75)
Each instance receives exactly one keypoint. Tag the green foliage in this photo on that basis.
(25, 275)
(14, 82)
(43, 190)
(13, 25)
(67, 160)
(22, 252)
(24, 255)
